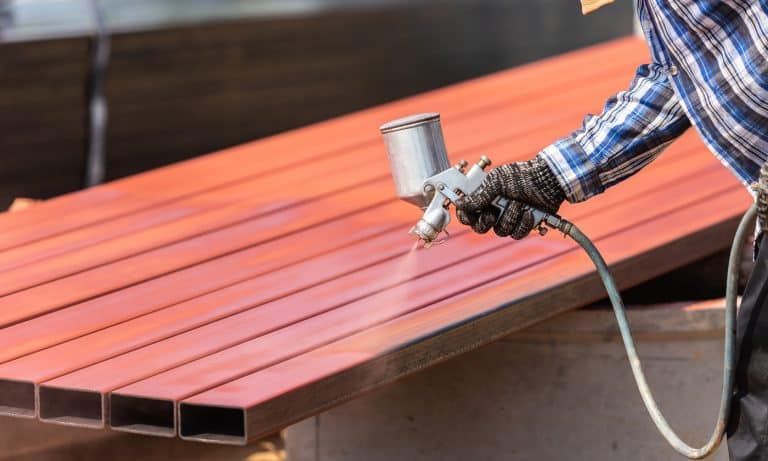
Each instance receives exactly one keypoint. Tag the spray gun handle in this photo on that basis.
(539, 217)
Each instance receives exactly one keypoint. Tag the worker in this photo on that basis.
(709, 70)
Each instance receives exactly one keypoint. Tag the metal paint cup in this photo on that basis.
(416, 151)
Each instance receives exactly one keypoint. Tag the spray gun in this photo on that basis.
(423, 177)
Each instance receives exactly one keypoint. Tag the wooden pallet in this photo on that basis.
(224, 298)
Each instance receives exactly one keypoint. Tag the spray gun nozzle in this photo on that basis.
(423, 175)
(428, 238)
(429, 227)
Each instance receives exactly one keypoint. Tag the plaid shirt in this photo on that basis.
(709, 70)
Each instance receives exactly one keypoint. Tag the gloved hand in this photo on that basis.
(523, 183)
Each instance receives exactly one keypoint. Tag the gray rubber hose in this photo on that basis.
(729, 361)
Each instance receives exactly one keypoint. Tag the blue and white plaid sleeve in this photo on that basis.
(635, 126)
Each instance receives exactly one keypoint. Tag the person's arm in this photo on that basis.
(635, 126)
(633, 129)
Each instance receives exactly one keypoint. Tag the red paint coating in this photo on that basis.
(509, 115)
(150, 296)
(291, 376)
(104, 344)
(135, 193)
(258, 197)
(125, 304)
(147, 361)
(219, 368)
(111, 276)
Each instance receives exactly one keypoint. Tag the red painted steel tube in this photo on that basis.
(279, 313)
(229, 364)
(142, 230)
(118, 198)
(111, 370)
(257, 197)
(50, 329)
(124, 224)
(84, 285)
(257, 404)
(122, 305)
(85, 401)
(18, 377)
(93, 282)
(61, 292)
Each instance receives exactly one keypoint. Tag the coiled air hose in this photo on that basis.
(729, 360)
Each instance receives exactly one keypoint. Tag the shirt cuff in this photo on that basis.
(577, 174)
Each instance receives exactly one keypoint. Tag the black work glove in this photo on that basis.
(523, 183)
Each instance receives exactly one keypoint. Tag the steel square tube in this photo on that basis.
(291, 390)
(186, 380)
(140, 231)
(60, 293)
(666, 169)
(88, 349)
(122, 305)
(71, 408)
(193, 217)
(150, 417)
(317, 178)
(17, 343)
(532, 142)
(176, 319)
(17, 398)
(292, 330)
(273, 315)
(116, 199)
(208, 339)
